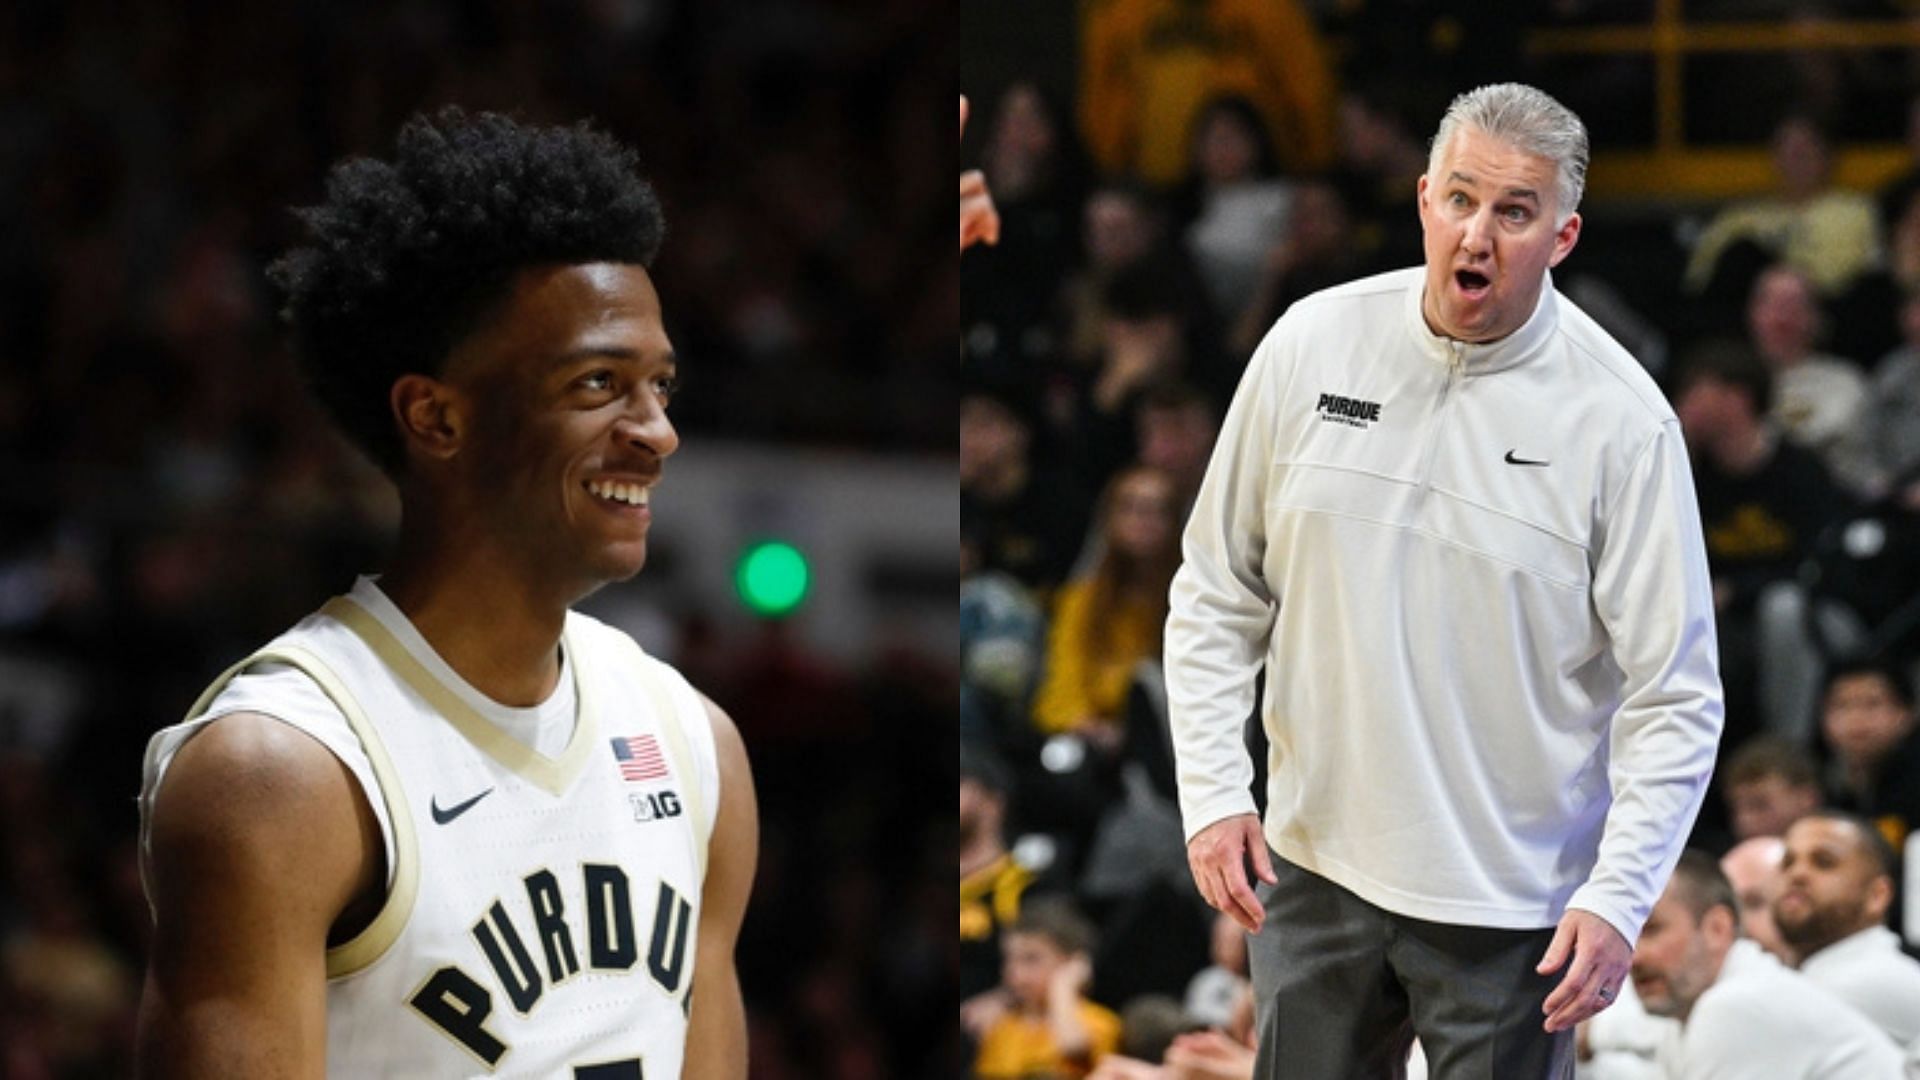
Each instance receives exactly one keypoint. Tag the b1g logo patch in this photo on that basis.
(655, 805)
(1353, 412)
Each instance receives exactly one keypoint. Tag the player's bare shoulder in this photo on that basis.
(259, 845)
(253, 802)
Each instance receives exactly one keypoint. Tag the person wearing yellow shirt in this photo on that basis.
(1147, 67)
(1043, 1024)
(1828, 234)
(1106, 622)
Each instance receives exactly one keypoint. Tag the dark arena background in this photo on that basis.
(170, 499)
(1172, 174)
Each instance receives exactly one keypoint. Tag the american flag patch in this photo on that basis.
(640, 758)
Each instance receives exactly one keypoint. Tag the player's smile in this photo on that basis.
(624, 496)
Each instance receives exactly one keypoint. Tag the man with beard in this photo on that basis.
(1626, 1040)
(1742, 1014)
(1839, 874)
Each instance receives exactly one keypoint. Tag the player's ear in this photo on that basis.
(430, 414)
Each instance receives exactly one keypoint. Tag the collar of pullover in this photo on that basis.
(1484, 357)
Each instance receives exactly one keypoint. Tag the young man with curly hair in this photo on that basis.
(444, 825)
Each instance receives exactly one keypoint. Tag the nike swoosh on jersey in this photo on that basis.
(441, 817)
(1511, 460)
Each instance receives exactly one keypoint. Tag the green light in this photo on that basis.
(772, 578)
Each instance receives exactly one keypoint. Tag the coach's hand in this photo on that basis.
(1601, 958)
(1218, 856)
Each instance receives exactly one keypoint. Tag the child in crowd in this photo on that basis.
(1044, 1025)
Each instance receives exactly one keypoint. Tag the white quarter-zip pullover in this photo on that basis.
(1476, 578)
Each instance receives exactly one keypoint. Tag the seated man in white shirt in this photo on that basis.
(1753, 868)
(1838, 886)
(1742, 1014)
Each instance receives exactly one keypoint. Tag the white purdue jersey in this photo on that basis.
(544, 864)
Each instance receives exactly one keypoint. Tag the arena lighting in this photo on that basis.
(772, 578)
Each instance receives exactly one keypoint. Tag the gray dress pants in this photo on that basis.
(1341, 989)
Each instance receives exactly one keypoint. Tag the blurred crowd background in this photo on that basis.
(1172, 174)
(169, 499)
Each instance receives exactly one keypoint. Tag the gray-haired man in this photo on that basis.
(1455, 520)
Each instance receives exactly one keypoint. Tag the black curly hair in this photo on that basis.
(407, 256)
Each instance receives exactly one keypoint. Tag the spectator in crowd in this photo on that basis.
(1025, 519)
(1002, 633)
(1144, 342)
(1753, 869)
(1318, 250)
(1105, 623)
(1769, 783)
(1122, 226)
(1890, 424)
(1042, 1023)
(1149, 1024)
(1381, 160)
(1009, 316)
(1032, 160)
(1236, 205)
(993, 883)
(1869, 726)
(1148, 66)
(1174, 427)
(1838, 886)
(1817, 399)
(1829, 235)
(1863, 322)
(1763, 500)
(1220, 987)
(1743, 1013)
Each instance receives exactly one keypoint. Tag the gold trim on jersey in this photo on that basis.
(371, 943)
(553, 775)
(683, 760)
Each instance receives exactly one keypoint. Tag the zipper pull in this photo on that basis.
(1457, 358)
